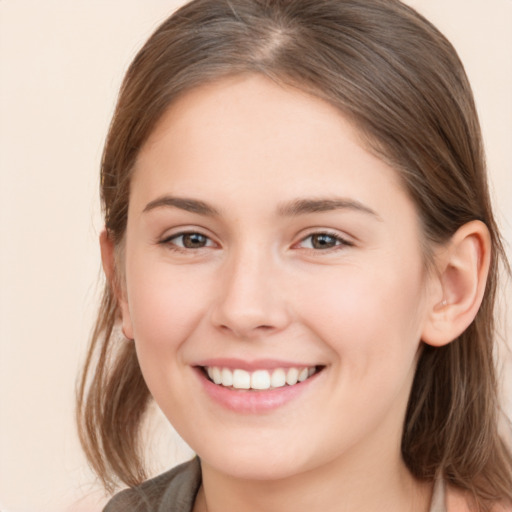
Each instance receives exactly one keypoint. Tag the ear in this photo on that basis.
(108, 260)
(462, 269)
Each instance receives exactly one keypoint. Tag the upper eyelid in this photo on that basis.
(343, 242)
(168, 240)
(185, 233)
(339, 242)
(183, 230)
(343, 237)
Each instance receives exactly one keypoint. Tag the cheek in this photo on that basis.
(368, 316)
(166, 306)
(165, 303)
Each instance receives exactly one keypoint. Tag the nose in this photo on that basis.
(251, 300)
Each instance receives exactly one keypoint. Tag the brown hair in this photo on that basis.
(401, 82)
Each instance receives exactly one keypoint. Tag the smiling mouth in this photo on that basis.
(259, 380)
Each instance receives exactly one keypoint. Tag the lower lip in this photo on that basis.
(252, 401)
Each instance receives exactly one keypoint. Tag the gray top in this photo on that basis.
(173, 491)
(176, 490)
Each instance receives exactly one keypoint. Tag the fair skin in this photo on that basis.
(262, 235)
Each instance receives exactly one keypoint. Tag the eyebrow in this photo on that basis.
(304, 206)
(291, 209)
(183, 203)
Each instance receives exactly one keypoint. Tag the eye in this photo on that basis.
(191, 240)
(323, 241)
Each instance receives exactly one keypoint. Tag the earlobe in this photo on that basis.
(463, 266)
(108, 260)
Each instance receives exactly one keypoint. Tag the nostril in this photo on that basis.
(246, 318)
(258, 328)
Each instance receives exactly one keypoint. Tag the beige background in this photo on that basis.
(61, 63)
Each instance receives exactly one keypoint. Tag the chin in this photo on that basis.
(256, 463)
(254, 470)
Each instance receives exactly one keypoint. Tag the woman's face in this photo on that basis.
(264, 245)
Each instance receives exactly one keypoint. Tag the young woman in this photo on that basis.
(301, 252)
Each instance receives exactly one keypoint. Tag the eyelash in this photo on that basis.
(170, 241)
(339, 242)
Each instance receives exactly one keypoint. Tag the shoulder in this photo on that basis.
(172, 491)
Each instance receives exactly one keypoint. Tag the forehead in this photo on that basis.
(248, 137)
(245, 103)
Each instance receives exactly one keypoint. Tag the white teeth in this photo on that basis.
(303, 375)
(241, 379)
(278, 379)
(227, 377)
(259, 379)
(292, 376)
(216, 375)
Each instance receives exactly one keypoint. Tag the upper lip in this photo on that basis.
(255, 364)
